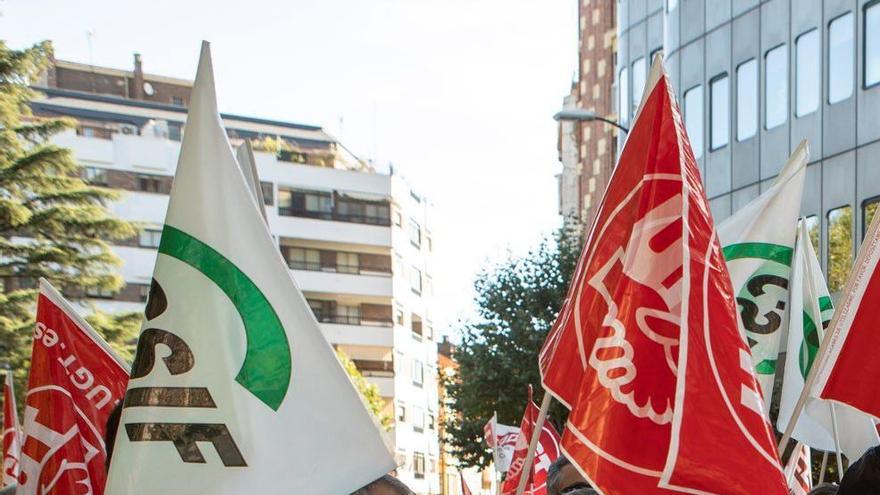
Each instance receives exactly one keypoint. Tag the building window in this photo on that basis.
(415, 280)
(94, 176)
(149, 238)
(347, 315)
(418, 373)
(431, 421)
(746, 100)
(149, 183)
(315, 204)
(872, 44)
(869, 208)
(840, 247)
(415, 233)
(268, 193)
(719, 108)
(177, 100)
(416, 326)
(303, 259)
(419, 465)
(143, 292)
(639, 75)
(398, 316)
(401, 412)
(813, 227)
(623, 95)
(347, 262)
(693, 118)
(776, 87)
(99, 293)
(396, 218)
(429, 244)
(175, 131)
(418, 419)
(841, 54)
(808, 77)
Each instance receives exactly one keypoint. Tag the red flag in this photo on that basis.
(799, 472)
(646, 352)
(848, 370)
(546, 453)
(465, 490)
(11, 433)
(75, 381)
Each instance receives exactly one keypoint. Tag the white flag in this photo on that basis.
(502, 440)
(245, 157)
(758, 242)
(234, 389)
(810, 313)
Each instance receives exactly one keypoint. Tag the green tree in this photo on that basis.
(840, 247)
(369, 391)
(518, 299)
(119, 330)
(52, 223)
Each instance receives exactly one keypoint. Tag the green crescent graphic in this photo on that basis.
(267, 364)
(764, 251)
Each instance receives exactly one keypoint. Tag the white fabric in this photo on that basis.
(320, 439)
(768, 220)
(815, 425)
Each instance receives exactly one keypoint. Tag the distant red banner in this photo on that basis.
(546, 453)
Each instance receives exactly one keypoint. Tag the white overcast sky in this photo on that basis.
(457, 94)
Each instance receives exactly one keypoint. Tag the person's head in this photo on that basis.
(564, 478)
(386, 485)
(863, 476)
(824, 489)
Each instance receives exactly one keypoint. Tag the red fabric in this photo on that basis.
(74, 385)
(646, 352)
(547, 451)
(11, 434)
(853, 379)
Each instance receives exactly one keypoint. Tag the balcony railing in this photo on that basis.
(334, 215)
(375, 368)
(315, 266)
(353, 320)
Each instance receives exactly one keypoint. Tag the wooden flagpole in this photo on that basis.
(533, 444)
(836, 443)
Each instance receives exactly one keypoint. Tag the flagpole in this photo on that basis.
(824, 467)
(533, 444)
(836, 443)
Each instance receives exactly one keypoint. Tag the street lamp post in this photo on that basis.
(582, 115)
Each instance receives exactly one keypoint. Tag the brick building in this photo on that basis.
(587, 150)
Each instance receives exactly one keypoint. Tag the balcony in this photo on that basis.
(376, 271)
(335, 215)
(335, 282)
(370, 368)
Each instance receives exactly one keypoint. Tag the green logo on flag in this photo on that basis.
(267, 365)
(811, 342)
(762, 298)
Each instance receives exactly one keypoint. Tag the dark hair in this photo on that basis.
(386, 480)
(824, 489)
(110, 432)
(554, 475)
(862, 476)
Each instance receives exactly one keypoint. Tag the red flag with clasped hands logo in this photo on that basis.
(546, 453)
(646, 352)
(74, 384)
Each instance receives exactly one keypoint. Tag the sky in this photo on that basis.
(457, 94)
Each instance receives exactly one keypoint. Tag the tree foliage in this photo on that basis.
(518, 299)
(52, 223)
(369, 391)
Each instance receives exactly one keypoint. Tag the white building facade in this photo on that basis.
(357, 242)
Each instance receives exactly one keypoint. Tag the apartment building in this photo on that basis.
(587, 150)
(358, 242)
(753, 78)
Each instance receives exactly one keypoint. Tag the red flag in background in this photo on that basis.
(848, 371)
(75, 381)
(646, 352)
(11, 433)
(546, 452)
(465, 489)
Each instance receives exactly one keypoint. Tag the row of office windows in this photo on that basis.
(840, 67)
